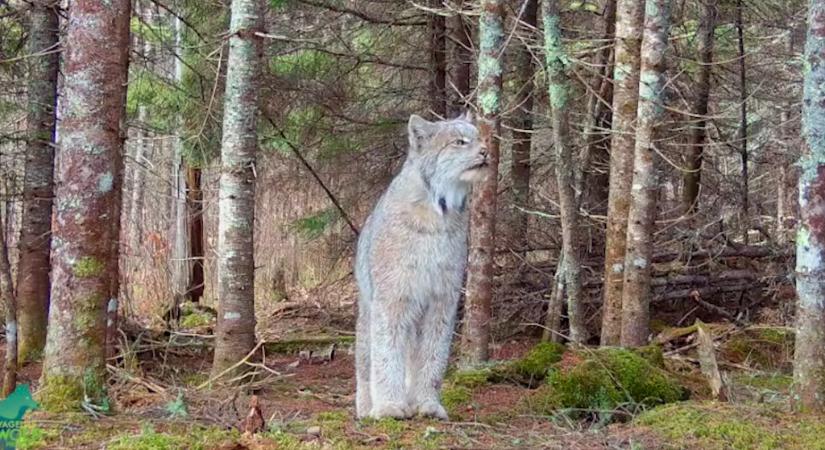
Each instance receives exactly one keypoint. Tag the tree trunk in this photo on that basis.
(629, 25)
(180, 263)
(636, 292)
(742, 134)
(523, 130)
(38, 185)
(235, 332)
(480, 270)
(704, 41)
(462, 62)
(194, 208)
(559, 91)
(599, 119)
(809, 354)
(10, 304)
(438, 62)
(86, 225)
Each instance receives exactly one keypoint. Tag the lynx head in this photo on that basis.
(450, 157)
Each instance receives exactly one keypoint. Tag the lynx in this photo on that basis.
(409, 267)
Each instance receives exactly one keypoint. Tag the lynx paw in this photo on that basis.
(432, 408)
(394, 410)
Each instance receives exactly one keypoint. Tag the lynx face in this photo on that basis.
(448, 152)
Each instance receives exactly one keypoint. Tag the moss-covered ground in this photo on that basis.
(541, 396)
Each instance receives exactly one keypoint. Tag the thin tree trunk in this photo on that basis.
(629, 25)
(438, 62)
(180, 263)
(194, 207)
(559, 91)
(10, 304)
(235, 332)
(86, 225)
(636, 292)
(599, 119)
(38, 186)
(523, 131)
(552, 322)
(809, 353)
(480, 270)
(462, 62)
(704, 41)
(742, 135)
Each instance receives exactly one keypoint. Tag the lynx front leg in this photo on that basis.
(363, 402)
(433, 354)
(389, 344)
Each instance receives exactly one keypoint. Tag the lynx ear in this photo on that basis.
(467, 116)
(419, 130)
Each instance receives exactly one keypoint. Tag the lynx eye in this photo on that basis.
(461, 141)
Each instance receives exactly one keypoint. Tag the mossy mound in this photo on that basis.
(194, 315)
(724, 426)
(590, 383)
(533, 368)
(769, 349)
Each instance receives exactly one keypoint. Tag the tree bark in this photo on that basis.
(742, 134)
(462, 62)
(438, 62)
(523, 130)
(10, 303)
(194, 208)
(87, 197)
(38, 185)
(599, 119)
(180, 263)
(809, 353)
(638, 261)
(480, 270)
(235, 332)
(558, 86)
(704, 41)
(629, 25)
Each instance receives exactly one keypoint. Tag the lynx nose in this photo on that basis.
(483, 152)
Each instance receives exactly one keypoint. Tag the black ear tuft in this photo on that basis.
(419, 130)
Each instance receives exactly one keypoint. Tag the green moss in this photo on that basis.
(88, 267)
(454, 398)
(471, 378)
(534, 366)
(31, 436)
(765, 381)
(194, 438)
(593, 381)
(61, 393)
(728, 426)
(197, 320)
(653, 354)
(390, 426)
(295, 345)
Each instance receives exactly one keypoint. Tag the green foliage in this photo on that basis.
(32, 436)
(761, 348)
(595, 382)
(312, 64)
(192, 438)
(177, 408)
(454, 397)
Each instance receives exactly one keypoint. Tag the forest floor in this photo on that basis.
(163, 399)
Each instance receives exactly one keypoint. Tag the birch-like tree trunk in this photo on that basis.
(558, 86)
(809, 354)
(480, 270)
(38, 186)
(461, 63)
(523, 129)
(704, 41)
(7, 295)
(629, 25)
(87, 198)
(235, 332)
(180, 264)
(636, 292)
(742, 132)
